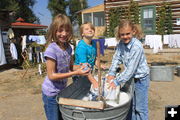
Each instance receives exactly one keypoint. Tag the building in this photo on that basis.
(19, 28)
(148, 13)
(96, 16)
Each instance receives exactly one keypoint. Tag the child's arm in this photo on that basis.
(52, 75)
(93, 80)
(72, 66)
(103, 66)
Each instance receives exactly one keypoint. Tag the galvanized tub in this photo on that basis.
(162, 73)
(178, 70)
(80, 88)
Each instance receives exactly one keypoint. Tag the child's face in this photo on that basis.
(62, 35)
(87, 31)
(126, 33)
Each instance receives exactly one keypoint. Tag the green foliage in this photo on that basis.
(57, 6)
(131, 12)
(22, 8)
(79, 19)
(169, 23)
(164, 21)
(75, 6)
(114, 19)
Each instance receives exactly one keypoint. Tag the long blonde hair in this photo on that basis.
(59, 21)
(138, 33)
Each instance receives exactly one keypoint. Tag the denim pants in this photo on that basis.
(140, 99)
(51, 108)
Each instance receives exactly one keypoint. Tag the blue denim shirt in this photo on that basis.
(132, 56)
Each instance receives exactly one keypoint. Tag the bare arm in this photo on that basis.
(93, 80)
(51, 65)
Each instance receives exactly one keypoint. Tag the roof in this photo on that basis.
(21, 24)
(92, 8)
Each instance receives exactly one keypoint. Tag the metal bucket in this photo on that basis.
(74, 113)
(162, 73)
(178, 70)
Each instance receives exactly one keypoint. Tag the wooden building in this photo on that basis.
(148, 13)
(96, 16)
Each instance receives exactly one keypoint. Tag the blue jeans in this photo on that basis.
(140, 99)
(51, 108)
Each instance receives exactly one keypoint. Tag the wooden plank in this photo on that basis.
(82, 103)
(99, 70)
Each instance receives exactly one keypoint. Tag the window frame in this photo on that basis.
(153, 31)
(102, 23)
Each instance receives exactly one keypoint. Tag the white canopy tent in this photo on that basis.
(2, 54)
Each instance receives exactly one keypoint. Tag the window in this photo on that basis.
(148, 19)
(87, 17)
(98, 19)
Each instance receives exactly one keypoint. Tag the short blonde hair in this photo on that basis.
(82, 26)
(59, 21)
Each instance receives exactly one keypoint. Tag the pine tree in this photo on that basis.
(22, 8)
(57, 6)
(75, 6)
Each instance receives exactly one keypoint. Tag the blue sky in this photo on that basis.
(41, 11)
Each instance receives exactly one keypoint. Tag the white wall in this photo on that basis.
(2, 55)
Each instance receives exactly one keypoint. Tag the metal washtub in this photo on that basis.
(79, 89)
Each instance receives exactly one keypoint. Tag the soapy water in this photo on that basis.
(113, 97)
(123, 99)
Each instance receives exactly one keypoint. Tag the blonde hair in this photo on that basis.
(86, 23)
(136, 28)
(59, 21)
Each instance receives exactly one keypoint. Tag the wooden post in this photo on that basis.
(99, 70)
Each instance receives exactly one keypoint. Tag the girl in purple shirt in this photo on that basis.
(58, 63)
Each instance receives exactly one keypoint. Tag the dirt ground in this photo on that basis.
(20, 98)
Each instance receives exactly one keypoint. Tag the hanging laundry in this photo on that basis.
(30, 51)
(39, 39)
(10, 33)
(13, 51)
(102, 46)
(42, 57)
(110, 42)
(166, 39)
(23, 42)
(155, 42)
(174, 41)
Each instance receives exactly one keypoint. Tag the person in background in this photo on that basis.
(59, 64)
(130, 53)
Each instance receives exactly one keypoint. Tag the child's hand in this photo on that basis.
(85, 66)
(95, 84)
(81, 71)
(109, 78)
(111, 85)
(104, 67)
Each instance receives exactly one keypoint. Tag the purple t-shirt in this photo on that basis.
(62, 58)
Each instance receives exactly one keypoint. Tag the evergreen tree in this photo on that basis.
(75, 6)
(57, 6)
(22, 8)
